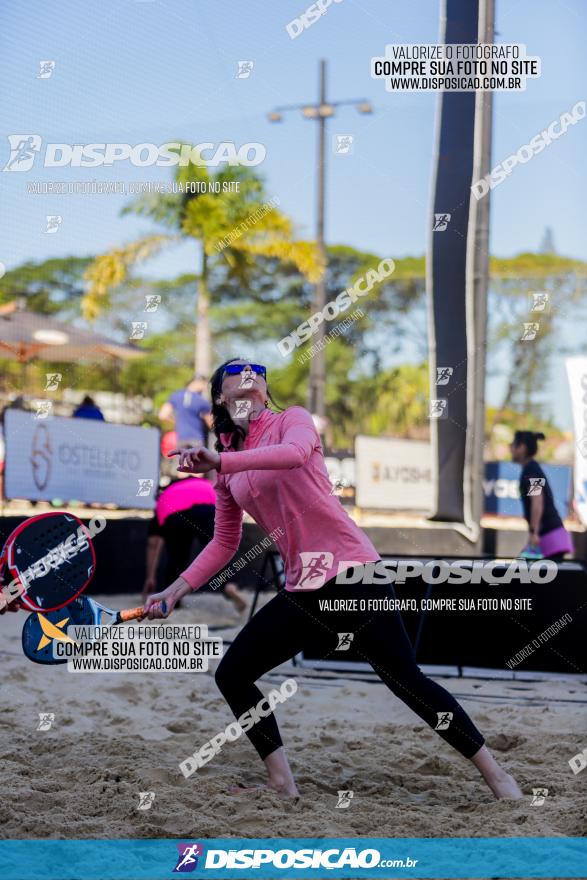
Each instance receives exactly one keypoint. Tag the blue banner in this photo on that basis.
(502, 492)
(385, 858)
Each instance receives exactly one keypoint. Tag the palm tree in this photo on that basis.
(231, 226)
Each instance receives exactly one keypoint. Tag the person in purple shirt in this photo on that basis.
(190, 412)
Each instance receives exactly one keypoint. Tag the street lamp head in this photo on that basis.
(310, 112)
(326, 110)
(274, 117)
(364, 107)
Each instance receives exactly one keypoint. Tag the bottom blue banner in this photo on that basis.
(385, 858)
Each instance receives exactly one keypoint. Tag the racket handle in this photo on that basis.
(134, 613)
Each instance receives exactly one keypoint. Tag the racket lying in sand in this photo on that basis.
(42, 629)
(48, 560)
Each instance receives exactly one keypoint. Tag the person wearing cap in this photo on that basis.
(190, 413)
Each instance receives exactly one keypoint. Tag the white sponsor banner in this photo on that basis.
(80, 459)
(340, 470)
(577, 374)
(393, 474)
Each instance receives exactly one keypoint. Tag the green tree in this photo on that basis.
(48, 287)
(525, 337)
(231, 227)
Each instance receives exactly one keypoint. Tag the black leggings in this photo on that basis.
(292, 622)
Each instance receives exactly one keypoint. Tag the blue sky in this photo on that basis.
(129, 71)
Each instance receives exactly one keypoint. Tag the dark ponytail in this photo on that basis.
(222, 421)
(529, 439)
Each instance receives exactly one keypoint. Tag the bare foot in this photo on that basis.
(240, 604)
(232, 592)
(283, 790)
(505, 787)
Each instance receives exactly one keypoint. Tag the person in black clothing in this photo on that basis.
(547, 533)
(184, 512)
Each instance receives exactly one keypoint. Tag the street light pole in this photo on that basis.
(320, 112)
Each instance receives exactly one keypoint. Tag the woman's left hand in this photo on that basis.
(196, 461)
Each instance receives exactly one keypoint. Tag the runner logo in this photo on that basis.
(539, 301)
(536, 485)
(242, 409)
(245, 68)
(441, 222)
(46, 69)
(247, 378)
(444, 719)
(138, 329)
(443, 375)
(343, 144)
(344, 641)
(188, 857)
(46, 719)
(344, 800)
(146, 799)
(539, 795)
(23, 151)
(152, 302)
(145, 488)
(43, 409)
(53, 223)
(530, 332)
(53, 380)
(315, 566)
(438, 409)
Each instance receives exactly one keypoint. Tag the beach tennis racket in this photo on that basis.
(42, 629)
(52, 557)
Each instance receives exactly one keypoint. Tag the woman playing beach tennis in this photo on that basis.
(271, 465)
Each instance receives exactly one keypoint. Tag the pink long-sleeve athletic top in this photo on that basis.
(281, 480)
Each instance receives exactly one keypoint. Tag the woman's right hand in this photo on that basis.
(9, 606)
(196, 461)
(171, 596)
